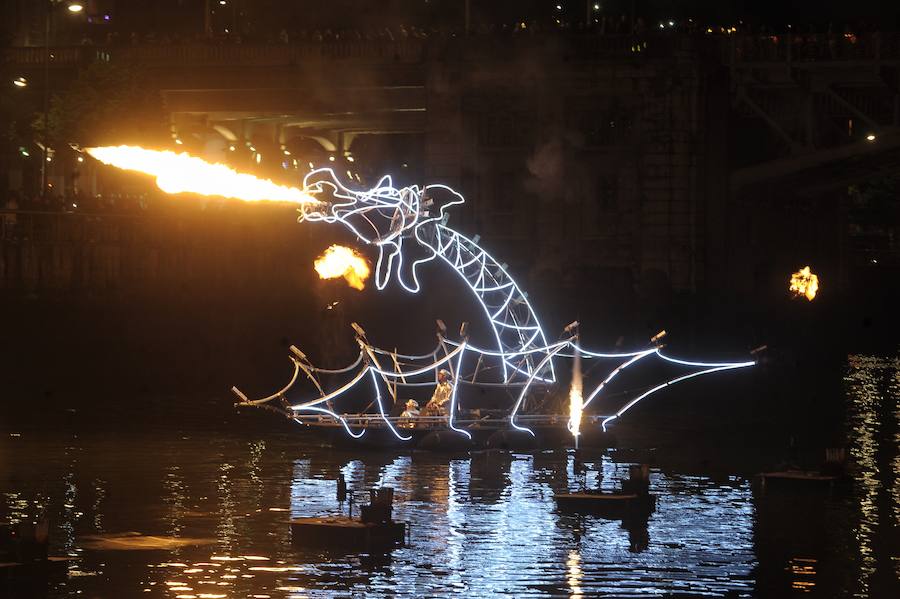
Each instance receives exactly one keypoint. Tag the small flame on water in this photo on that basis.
(576, 401)
(181, 172)
(804, 283)
(341, 261)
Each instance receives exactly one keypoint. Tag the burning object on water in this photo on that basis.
(576, 400)
(804, 283)
(341, 261)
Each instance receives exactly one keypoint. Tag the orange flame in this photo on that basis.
(340, 261)
(576, 401)
(179, 173)
(804, 283)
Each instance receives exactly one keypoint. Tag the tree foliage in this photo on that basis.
(108, 104)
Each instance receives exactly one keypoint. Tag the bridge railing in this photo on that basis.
(827, 47)
(739, 48)
(411, 50)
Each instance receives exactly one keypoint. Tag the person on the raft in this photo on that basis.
(409, 415)
(439, 405)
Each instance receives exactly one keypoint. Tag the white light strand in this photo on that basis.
(613, 375)
(330, 413)
(462, 351)
(637, 399)
(381, 408)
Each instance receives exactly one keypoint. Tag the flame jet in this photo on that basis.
(183, 173)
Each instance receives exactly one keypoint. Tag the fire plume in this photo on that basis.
(804, 283)
(341, 261)
(576, 400)
(183, 173)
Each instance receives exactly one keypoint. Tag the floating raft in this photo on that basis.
(808, 476)
(613, 505)
(346, 533)
(434, 434)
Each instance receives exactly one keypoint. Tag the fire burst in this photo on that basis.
(576, 400)
(340, 261)
(183, 173)
(804, 283)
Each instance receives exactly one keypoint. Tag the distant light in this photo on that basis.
(106, 17)
(596, 6)
(49, 159)
(311, 166)
(349, 175)
(671, 23)
(25, 152)
(405, 165)
(350, 158)
(874, 260)
(331, 158)
(258, 158)
(76, 7)
(662, 26)
(222, 2)
(20, 82)
(252, 149)
(74, 205)
(179, 142)
(231, 148)
(81, 159)
(559, 7)
(287, 153)
(870, 137)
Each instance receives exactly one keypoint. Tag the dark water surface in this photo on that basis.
(482, 524)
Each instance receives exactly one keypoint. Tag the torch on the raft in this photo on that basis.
(576, 399)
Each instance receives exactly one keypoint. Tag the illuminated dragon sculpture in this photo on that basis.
(408, 226)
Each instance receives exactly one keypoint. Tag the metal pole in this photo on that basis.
(207, 25)
(468, 14)
(44, 132)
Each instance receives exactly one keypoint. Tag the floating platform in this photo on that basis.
(341, 532)
(434, 434)
(798, 476)
(615, 505)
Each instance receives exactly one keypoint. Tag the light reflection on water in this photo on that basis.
(481, 525)
(874, 394)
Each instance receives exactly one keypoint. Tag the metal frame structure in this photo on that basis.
(387, 217)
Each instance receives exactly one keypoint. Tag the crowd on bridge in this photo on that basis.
(603, 25)
(75, 202)
(15, 208)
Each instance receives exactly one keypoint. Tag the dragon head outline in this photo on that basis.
(382, 216)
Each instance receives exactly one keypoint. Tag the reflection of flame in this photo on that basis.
(178, 173)
(575, 574)
(804, 282)
(340, 261)
(576, 401)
